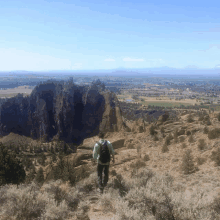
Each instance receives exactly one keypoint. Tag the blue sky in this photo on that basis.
(71, 35)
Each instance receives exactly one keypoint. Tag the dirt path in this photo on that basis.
(97, 213)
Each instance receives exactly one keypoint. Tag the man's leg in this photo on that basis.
(106, 173)
(99, 172)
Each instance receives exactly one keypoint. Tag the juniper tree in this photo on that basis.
(40, 176)
(187, 163)
(11, 168)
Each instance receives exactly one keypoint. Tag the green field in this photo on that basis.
(165, 104)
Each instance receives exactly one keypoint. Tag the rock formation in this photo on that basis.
(62, 111)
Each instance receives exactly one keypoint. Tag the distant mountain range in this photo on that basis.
(123, 72)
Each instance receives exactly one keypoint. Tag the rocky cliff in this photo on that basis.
(65, 111)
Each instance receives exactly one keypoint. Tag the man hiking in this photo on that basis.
(102, 152)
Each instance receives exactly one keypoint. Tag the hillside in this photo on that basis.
(145, 183)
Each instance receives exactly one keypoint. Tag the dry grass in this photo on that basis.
(161, 193)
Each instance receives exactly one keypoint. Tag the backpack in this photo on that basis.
(104, 152)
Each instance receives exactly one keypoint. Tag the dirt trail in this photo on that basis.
(97, 213)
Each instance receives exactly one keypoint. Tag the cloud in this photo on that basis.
(109, 60)
(128, 59)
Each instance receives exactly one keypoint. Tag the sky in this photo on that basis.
(107, 34)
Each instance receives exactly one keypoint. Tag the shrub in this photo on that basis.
(138, 164)
(216, 156)
(205, 130)
(181, 131)
(23, 202)
(190, 118)
(208, 122)
(130, 146)
(218, 116)
(187, 163)
(152, 130)
(165, 148)
(183, 146)
(188, 133)
(162, 130)
(146, 157)
(113, 173)
(201, 160)
(191, 140)
(156, 138)
(118, 183)
(201, 118)
(181, 139)
(201, 144)
(175, 136)
(216, 205)
(214, 133)
(30, 177)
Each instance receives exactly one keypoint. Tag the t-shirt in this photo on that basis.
(96, 151)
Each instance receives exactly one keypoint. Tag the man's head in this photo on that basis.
(101, 135)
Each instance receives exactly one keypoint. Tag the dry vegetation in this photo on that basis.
(167, 172)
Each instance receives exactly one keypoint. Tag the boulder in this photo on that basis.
(118, 144)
